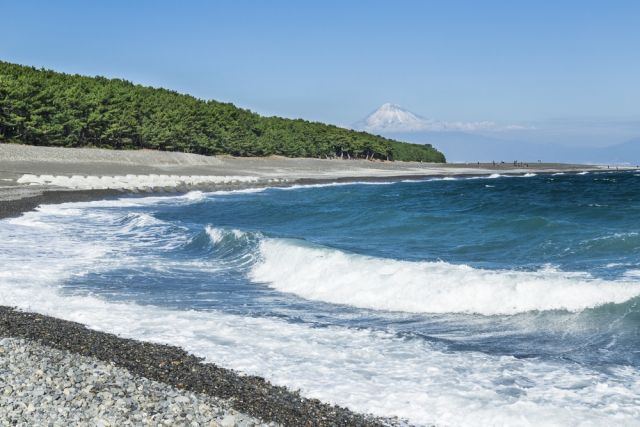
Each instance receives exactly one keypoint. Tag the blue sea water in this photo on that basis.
(470, 301)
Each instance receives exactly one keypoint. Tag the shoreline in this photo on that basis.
(252, 395)
(15, 207)
(173, 366)
(137, 170)
(14, 201)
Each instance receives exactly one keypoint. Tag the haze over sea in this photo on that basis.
(459, 301)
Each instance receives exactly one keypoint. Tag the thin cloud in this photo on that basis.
(426, 125)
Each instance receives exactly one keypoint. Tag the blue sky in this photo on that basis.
(569, 69)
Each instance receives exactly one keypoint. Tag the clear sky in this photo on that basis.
(569, 69)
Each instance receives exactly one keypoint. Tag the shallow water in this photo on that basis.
(484, 301)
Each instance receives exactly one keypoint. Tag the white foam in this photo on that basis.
(374, 372)
(365, 370)
(329, 275)
(528, 175)
(492, 176)
(215, 234)
(218, 234)
(333, 184)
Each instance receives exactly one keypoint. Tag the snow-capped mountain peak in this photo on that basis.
(394, 118)
(390, 117)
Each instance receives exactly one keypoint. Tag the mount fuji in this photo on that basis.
(390, 118)
(394, 118)
(460, 143)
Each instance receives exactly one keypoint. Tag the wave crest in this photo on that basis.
(329, 275)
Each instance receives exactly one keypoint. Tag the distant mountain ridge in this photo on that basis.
(465, 147)
(627, 152)
(459, 144)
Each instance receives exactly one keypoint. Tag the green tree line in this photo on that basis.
(43, 107)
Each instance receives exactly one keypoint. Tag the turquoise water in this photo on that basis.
(469, 301)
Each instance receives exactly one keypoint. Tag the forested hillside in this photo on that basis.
(43, 107)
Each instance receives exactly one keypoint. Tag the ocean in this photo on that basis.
(469, 301)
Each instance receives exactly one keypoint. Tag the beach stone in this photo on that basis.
(157, 383)
(228, 421)
(38, 391)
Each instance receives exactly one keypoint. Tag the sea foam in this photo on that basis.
(330, 275)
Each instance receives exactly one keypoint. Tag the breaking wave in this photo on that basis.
(324, 274)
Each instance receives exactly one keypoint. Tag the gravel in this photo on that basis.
(43, 386)
(136, 364)
(28, 153)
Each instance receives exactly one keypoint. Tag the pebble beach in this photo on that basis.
(48, 387)
(56, 371)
